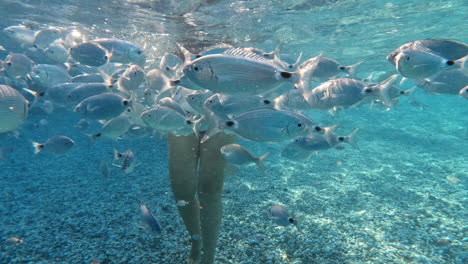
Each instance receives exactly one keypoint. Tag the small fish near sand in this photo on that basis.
(148, 221)
(57, 144)
(238, 155)
(280, 216)
(127, 160)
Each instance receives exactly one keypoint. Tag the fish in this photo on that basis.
(13, 241)
(122, 51)
(57, 144)
(169, 64)
(238, 155)
(445, 48)
(59, 93)
(21, 35)
(226, 104)
(91, 54)
(112, 129)
(14, 109)
(265, 125)
(128, 160)
(56, 53)
(103, 106)
(49, 75)
(420, 63)
(17, 65)
(464, 92)
(197, 99)
(82, 125)
(324, 69)
(166, 119)
(148, 221)
(280, 216)
(43, 38)
(157, 80)
(131, 79)
(345, 92)
(86, 90)
(235, 72)
(444, 82)
(292, 100)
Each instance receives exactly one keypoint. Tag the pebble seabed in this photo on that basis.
(401, 198)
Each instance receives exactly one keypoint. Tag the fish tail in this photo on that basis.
(350, 139)
(37, 147)
(305, 73)
(259, 162)
(217, 125)
(91, 138)
(460, 63)
(385, 90)
(352, 69)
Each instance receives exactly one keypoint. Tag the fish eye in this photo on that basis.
(192, 97)
(129, 110)
(342, 67)
(291, 66)
(149, 115)
(197, 56)
(188, 122)
(368, 90)
(340, 138)
(98, 134)
(125, 102)
(229, 123)
(407, 58)
(8, 63)
(167, 68)
(402, 92)
(266, 101)
(291, 220)
(210, 101)
(450, 62)
(139, 51)
(317, 128)
(105, 57)
(299, 125)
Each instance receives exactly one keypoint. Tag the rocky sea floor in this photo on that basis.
(401, 198)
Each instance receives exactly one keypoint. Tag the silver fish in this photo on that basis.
(43, 38)
(17, 65)
(103, 106)
(127, 160)
(280, 215)
(58, 94)
(292, 99)
(49, 75)
(91, 54)
(169, 64)
(266, 125)
(445, 48)
(148, 221)
(57, 144)
(157, 80)
(86, 90)
(131, 79)
(122, 51)
(445, 82)
(21, 35)
(238, 155)
(225, 104)
(197, 99)
(236, 72)
(112, 129)
(324, 69)
(166, 119)
(56, 53)
(420, 63)
(13, 109)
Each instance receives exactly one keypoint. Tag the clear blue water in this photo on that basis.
(399, 199)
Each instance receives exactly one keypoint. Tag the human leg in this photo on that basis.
(210, 188)
(183, 167)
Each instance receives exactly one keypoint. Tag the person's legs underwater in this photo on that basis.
(199, 167)
(210, 190)
(183, 172)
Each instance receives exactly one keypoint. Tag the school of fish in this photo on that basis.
(258, 95)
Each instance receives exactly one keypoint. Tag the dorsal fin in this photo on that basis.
(241, 52)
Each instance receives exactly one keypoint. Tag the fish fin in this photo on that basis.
(460, 63)
(215, 126)
(259, 162)
(351, 69)
(241, 52)
(187, 54)
(37, 147)
(385, 90)
(298, 60)
(91, 138)
(35, 94)
(116, 165)
(403, 80)
(117, 154)
(350, 139)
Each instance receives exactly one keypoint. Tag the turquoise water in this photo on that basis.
(400, 198)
